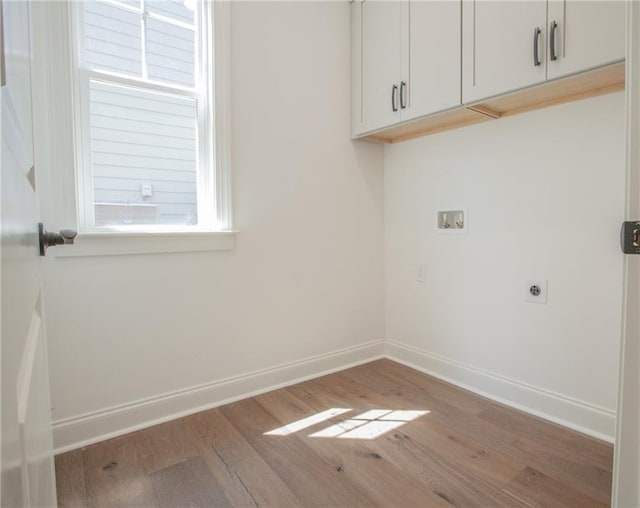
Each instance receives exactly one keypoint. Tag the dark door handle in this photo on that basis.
(49, 239)
(403, 94)
(536, 43)
(394, 97)
(552, 40)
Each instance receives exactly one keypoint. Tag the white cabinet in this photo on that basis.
(381, 62)
(357, 120)
(405, 61)
(430, 57)
(503, 46)
(457, 58)
(584, 35)
(511, 45)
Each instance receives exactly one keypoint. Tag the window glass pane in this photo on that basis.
(179, 10)
(132, 3)
(112, 39)
(143, 153)
(170, 53)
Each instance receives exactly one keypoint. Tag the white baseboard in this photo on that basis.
(76, 432)
(576, 414)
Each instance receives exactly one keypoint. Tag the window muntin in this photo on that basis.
(146, 115)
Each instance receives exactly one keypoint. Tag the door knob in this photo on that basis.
(49, 239)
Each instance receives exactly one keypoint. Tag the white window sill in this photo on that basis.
(131, 243)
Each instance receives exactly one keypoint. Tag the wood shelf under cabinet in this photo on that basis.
(579, 86)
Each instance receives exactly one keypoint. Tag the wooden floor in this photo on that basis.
(429, 444)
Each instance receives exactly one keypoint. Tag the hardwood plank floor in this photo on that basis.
(70, 469)
(379, 434)
(187, 483)
(247, 479)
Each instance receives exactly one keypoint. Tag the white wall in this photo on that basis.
(130, 336)
(544, 193)
(305, 278)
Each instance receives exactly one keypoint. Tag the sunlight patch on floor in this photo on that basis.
(368, 425)
(308, 422)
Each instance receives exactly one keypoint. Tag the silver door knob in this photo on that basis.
(49, 239)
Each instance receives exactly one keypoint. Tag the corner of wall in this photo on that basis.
(575, 414)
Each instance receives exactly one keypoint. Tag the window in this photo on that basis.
(145, 116)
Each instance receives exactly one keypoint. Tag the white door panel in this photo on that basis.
(381, 27)
(17, 73)
(34, 418)
(498, 46)
(588, 34)
(357, 126)
(431, 56)
(626, 466)
(27, 455)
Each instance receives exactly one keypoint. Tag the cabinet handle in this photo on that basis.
(536, 43)
(403, 93)
(394, 97)
(552, 40)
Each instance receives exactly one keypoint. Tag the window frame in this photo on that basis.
(210, 92)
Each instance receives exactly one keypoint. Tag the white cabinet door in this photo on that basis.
(357, 116)
(380, 36)
(498, 46)
(430, 57)
(586, 35)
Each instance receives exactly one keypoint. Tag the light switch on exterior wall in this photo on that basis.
(421, 272)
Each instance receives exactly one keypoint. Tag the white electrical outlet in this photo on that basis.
(536, 291)
(421, 272)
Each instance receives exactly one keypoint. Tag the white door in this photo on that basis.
(27, 448)
(626, 468)
(583, 35)
(380, 63)
(503, 46)
(430, 57)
